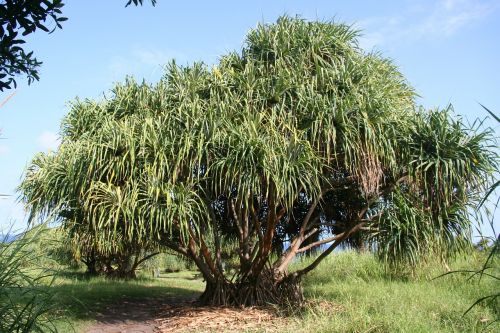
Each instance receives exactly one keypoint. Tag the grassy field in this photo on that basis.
(371, 301)
(353, 291)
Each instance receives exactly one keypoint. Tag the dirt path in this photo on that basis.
(130, 316)
(181, 315)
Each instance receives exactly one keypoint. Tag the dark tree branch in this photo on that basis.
(315, 263)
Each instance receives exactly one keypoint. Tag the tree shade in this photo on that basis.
(301, 141)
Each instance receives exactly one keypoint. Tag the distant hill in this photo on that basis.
(8, 238)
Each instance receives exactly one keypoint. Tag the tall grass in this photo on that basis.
(25, 301)
(362, 297)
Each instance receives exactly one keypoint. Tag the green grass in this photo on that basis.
(360, 295)
(368, 299)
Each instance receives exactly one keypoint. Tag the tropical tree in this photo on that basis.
(302, 141)
(121, 259)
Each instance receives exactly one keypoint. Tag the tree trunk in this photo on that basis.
(266, 289)
(122, 274)
(91, 263)
(91, 268)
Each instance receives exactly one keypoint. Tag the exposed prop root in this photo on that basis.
(268, 289)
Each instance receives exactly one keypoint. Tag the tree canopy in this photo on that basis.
(301, 141)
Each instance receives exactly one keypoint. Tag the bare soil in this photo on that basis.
(182, 315)
(128, 316)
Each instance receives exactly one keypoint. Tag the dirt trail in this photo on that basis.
(130, 316)
(181, 315)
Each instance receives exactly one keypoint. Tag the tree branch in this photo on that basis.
(137, 263)
(315, 263)
(323, 241)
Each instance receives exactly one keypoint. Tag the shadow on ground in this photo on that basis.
(82, 298)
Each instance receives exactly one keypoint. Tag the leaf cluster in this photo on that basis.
(19, 18)
(300, 115)
(138, 2)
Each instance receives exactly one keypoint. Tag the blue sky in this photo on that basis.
(449, 51)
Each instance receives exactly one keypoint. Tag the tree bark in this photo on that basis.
(268, 288)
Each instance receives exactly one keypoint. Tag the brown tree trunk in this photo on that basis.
(266, 289)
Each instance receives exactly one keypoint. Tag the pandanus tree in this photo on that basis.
(301, 141)
(56, 180)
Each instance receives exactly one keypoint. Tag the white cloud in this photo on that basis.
(370, 40)
(118, 66)
(4, 149)
(154, 57)
(48, 140)
(436, 20)
(13, 215)
(451, 15)
(141, 61)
